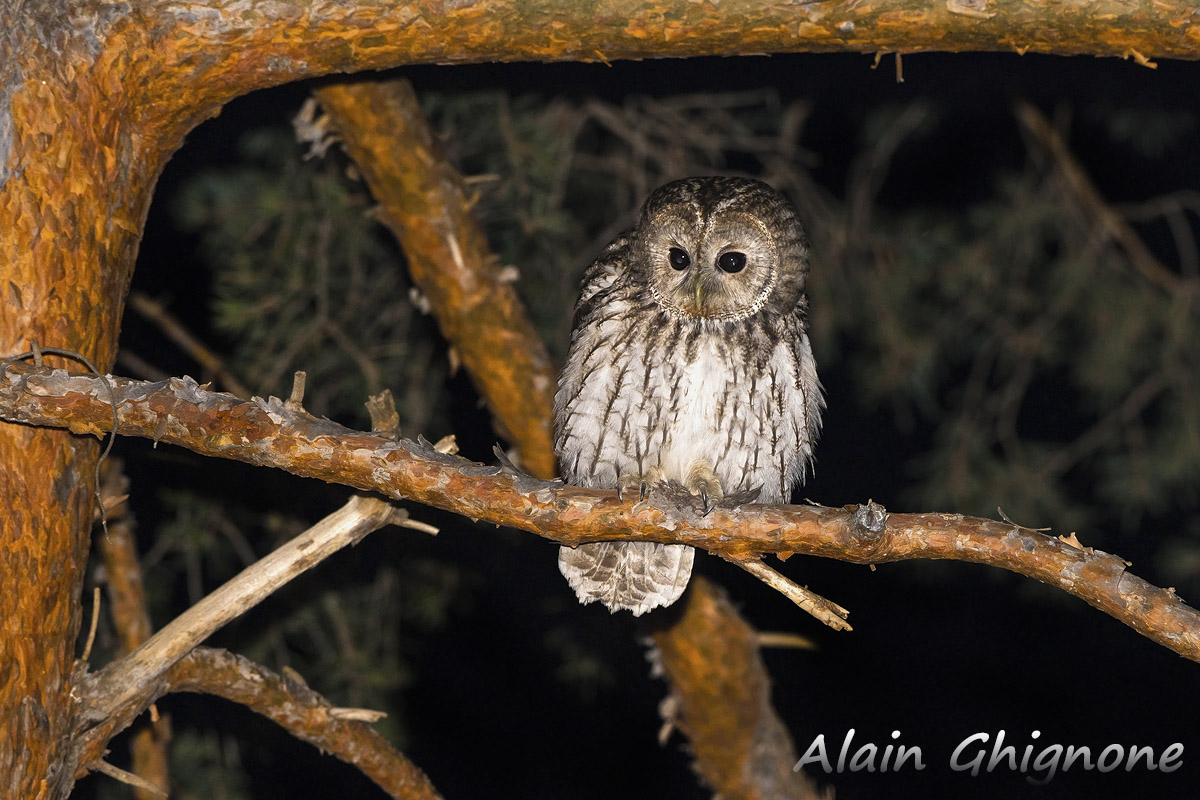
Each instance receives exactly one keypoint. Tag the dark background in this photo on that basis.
(939, 651)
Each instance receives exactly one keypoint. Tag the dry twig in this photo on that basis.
(121, 680)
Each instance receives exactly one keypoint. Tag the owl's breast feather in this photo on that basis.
(627, 408)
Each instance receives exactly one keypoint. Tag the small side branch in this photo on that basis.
(824, 610)
(305, 714)
(105, 768)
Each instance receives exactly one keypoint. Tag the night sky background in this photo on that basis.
(939, 651)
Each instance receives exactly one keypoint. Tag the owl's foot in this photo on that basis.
(628, 481)
(702, 482)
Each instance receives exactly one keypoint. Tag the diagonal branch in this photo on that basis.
(422, 200)
(268, 433)
(721, 700)
(305, 714)
(384, 128)
(299, 710)
(118, 683)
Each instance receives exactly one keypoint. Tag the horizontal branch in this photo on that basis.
(268, 433)
(233, 46)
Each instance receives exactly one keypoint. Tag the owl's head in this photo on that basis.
(721, 249)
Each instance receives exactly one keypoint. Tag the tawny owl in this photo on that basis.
(690, 362)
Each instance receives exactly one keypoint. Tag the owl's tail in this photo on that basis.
(635, 576)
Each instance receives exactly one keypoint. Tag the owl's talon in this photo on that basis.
(629, 481)
(702, 481)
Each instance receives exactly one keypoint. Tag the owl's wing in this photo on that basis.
(604, 276)
(634, 576)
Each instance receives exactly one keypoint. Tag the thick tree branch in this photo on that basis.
(267, 433)
(231, 47)
(721, 700)
(422, 200)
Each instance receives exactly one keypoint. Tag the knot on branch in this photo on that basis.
(869, 524)
(860, 531)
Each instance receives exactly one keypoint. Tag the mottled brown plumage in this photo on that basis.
(690, 362)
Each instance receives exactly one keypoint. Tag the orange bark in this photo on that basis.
(721, 696)
(422, 200)
(74, 190)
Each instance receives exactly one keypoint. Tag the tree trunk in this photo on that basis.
(75, 184)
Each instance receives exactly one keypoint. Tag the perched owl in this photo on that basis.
(689, 362)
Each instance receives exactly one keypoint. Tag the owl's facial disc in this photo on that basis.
(722, 268)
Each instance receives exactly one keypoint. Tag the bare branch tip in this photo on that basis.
(129, 778)
(87, 648)
(382, 409)
(367, 715)
(295, 401)
(416, 525)
(293, 676)
(822, 609)
(1005, 517)
(785, 639)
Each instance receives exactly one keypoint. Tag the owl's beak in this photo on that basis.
(699, 294)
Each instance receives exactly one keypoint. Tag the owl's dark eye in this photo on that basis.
(732, 262)
(679, 258)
